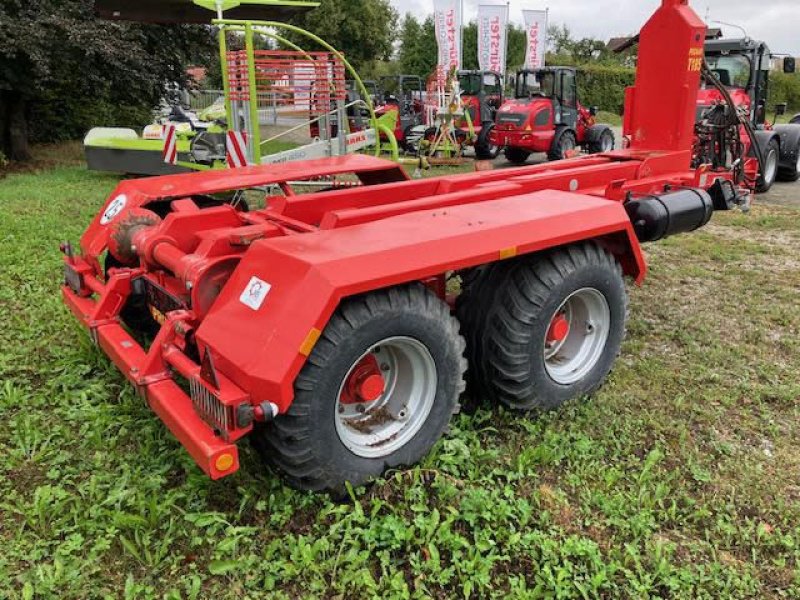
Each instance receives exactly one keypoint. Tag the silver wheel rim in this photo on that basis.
(798, 159)
(572, 358)
(377, 428)
(772, 167)
(608, 143)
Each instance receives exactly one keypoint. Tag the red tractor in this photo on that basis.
(546, 116)
(732, 107)
(482, 95)
(323, 326)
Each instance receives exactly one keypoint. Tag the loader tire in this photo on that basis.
(531, 359)
(340, 427)
(564, 142)
(484, 149)
(770, 175)
(516, 156)
(791, 173)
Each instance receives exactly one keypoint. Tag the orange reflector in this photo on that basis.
(508, 253)
(224, 462)
(311, 339)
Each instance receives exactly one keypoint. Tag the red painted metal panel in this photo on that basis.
(309, 274)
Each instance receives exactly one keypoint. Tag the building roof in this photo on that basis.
(186, 11)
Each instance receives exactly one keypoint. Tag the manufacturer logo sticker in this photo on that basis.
(255, 293)
(116, 206)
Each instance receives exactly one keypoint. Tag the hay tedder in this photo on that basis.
(322, 326)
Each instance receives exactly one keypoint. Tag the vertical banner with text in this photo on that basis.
(536, 28)
(448, 18)
(492, 31)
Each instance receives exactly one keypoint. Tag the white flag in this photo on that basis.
(448, 18)
(492, 30)
(536, 27)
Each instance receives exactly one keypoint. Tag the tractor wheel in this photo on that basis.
(556, 328)
(376, 393)
(791, 173)
(516, 156)
(484, 149)
(770, 168)
(564, 144)
(605, 143)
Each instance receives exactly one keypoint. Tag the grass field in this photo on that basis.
(680, 479)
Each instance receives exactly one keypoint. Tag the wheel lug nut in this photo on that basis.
(384, 367)
(360, 408)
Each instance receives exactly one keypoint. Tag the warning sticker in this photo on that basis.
(116, 206)
(255, 293)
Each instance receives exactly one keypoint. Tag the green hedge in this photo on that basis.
(604, 86)
(785, 88)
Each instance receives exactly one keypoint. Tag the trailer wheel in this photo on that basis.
(770, 169)
(484, 149)
(377, 391)
(791, 173)
(516, 156)
(564, 143)
(479, 288)
(556, 328)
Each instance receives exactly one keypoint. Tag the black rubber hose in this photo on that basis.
(711, 78)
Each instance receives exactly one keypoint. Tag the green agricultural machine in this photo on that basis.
(303, 99)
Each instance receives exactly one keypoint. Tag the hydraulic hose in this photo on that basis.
(711, 78)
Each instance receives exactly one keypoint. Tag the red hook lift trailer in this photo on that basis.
(321, 326)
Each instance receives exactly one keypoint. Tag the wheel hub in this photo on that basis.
(577, 336)
(386, 397)
(365, 383)
(559, 329)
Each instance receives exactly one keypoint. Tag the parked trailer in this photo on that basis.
(321, 327)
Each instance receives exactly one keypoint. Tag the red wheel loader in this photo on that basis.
(546, 116)
(320, 325)
(732, 109)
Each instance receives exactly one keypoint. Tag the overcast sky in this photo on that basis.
(777, 21)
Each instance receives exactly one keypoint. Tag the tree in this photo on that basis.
(417, 52)
(364, 30)
(63, 70)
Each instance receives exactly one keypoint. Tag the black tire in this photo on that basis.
(479, 288)
(516, 156)
(484, 149)
(771, 157)
(604, 142)
(304, 444)
(564, 141)
(791, 173)
(513, 352)
(795, 120)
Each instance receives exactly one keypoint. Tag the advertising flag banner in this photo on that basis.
(492, 31)
(448, 18)
(536, 28)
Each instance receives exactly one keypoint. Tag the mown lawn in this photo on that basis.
(680, 479)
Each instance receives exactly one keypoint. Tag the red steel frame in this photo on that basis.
(316, 249)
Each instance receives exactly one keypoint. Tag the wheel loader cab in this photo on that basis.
(559, 84)
(742, 66)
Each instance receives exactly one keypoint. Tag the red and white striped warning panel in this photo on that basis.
(170, 152)
(236, 149)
